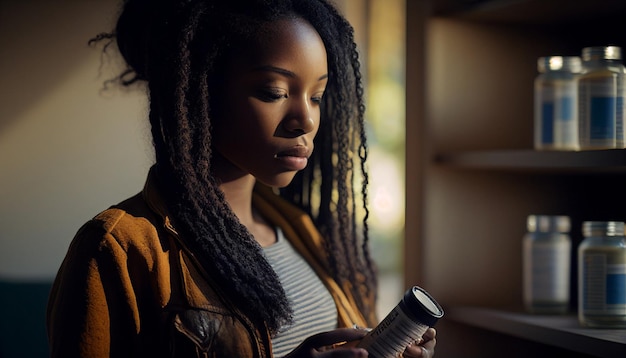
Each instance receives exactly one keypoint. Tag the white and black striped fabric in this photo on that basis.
(314, 310)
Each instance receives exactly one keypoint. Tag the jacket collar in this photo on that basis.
(298, 228)
(154, 199)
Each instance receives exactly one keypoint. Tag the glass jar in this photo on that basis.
(556, 110)
(547, 250)
(602, 275)
(600, 98)
(403, 325)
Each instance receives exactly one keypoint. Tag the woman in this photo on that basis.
(244, 241)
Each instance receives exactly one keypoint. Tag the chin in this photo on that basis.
(279, 181)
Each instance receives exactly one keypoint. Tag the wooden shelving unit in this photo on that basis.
(473, 176)
(602, 161)
(558, 331)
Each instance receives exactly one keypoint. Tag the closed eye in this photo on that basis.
(271, 94)
(317, 99)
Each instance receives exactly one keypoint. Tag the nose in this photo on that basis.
(300, 118)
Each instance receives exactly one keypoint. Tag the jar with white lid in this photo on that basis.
(601, 98)
(547, 249)
(556, 103)
(602, 275)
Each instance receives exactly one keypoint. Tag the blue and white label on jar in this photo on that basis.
(602, 123)
(567, 108)
(566, 115)
(604, 286)
(600, 110)
(549, 272)
(547, 122)
(619, 126)
(556, 113)
(545, 107)
(616, 285)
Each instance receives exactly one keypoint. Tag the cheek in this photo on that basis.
(247, 121)
(319, 126)
(318, 121)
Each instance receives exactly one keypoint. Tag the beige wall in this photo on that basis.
(67, 150)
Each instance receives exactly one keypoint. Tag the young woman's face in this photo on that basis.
(270, 111)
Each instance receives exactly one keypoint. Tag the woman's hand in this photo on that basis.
(424, 348)
(335, 343)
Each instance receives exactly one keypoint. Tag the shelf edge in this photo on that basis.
(612, 160)
(558, 331)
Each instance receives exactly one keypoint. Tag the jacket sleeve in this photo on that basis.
(92, 309)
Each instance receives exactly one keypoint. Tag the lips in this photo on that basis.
(294, 158)
(297, 151)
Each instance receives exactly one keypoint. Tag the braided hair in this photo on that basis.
(180, 48)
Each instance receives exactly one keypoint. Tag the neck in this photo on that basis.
(237, 187)
(238, 194)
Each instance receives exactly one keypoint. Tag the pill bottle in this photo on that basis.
(600, 98)
(405, 324)
(556, 108)
(546, 251)
(602, 275)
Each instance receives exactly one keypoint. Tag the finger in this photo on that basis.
(413, 351)
(335, 336)
(344, 353)
(418, 352)
(430, 345)
(430, 333)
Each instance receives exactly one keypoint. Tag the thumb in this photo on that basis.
(335, 336)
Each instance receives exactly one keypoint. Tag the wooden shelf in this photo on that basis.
(539, 12)
(613, 160)
(559, 331)
(473, 175)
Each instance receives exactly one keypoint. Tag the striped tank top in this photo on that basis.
(314, 310)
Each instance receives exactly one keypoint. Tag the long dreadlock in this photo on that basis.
(180, 48)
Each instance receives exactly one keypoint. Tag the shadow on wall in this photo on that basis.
(23, 319)
(62, 28)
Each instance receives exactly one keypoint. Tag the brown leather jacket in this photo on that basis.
(129, 287)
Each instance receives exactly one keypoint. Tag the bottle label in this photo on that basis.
(602, 117)
(392, 335)
(600, 111)
(566, 129)
(566, 115)
(603, 286)
(547, 122)
(567, 108)
(547, 272)
(619, 125)
(556, 113)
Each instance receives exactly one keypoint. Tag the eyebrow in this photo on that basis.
(283, 71)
